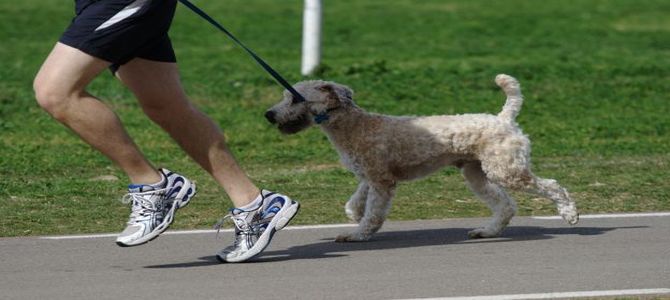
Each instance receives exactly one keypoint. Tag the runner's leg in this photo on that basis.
(158, 88)
(60, 88)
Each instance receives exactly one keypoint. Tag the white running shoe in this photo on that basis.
(153, 207)
(255, 227)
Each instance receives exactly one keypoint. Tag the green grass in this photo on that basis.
(596, 76)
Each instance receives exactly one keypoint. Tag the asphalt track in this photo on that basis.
(535, 258)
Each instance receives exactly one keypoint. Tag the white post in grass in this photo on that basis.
(311, 36)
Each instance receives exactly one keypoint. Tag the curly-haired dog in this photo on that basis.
(491, 151)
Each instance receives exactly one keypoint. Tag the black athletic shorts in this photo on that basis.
(120, 30)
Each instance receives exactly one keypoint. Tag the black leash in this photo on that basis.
(296, 96)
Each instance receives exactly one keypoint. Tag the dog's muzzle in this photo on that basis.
(270, 116)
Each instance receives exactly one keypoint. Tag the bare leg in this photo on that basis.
(355, 207)
(158, 88)
(60, 89)
(502, 205)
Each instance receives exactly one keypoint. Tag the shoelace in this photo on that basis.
(142, 206)
(240, 221)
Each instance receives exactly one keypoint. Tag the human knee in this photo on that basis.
(52, 99)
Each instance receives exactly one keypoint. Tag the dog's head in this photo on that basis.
(322, 98)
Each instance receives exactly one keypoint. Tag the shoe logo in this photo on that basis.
(274, 207)
(176, 187)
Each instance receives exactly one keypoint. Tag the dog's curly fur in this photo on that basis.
(491, 151)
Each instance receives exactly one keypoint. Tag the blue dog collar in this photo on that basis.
(323, 117)
(320, 118)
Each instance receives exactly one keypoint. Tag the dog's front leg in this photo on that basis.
(355, 207)
(377, 207)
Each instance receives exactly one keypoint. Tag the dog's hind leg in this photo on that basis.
(501, 204)
(377, 207)
(520, 178)
(550, 189)
(355, 207)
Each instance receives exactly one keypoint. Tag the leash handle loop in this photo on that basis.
(260, 61)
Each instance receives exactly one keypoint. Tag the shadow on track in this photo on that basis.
(448, 237)
(425, 237)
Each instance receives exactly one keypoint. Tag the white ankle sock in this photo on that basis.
(253, 204)
(160, 183)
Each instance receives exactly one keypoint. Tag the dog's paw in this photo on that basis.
(352, 237)
(570, 216)
(484, 232)
(353, 216)
(353, 213)
(568, 212)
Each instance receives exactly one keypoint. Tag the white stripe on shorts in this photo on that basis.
(126, 12)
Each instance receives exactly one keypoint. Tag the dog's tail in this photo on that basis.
(514, 98)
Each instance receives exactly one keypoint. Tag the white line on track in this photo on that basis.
(106, 235)
(612, 293)
(178, 232)
(608, 216)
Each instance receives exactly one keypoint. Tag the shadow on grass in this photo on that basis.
(447, 237)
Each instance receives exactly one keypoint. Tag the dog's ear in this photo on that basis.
(328, 89)
(338, 92)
